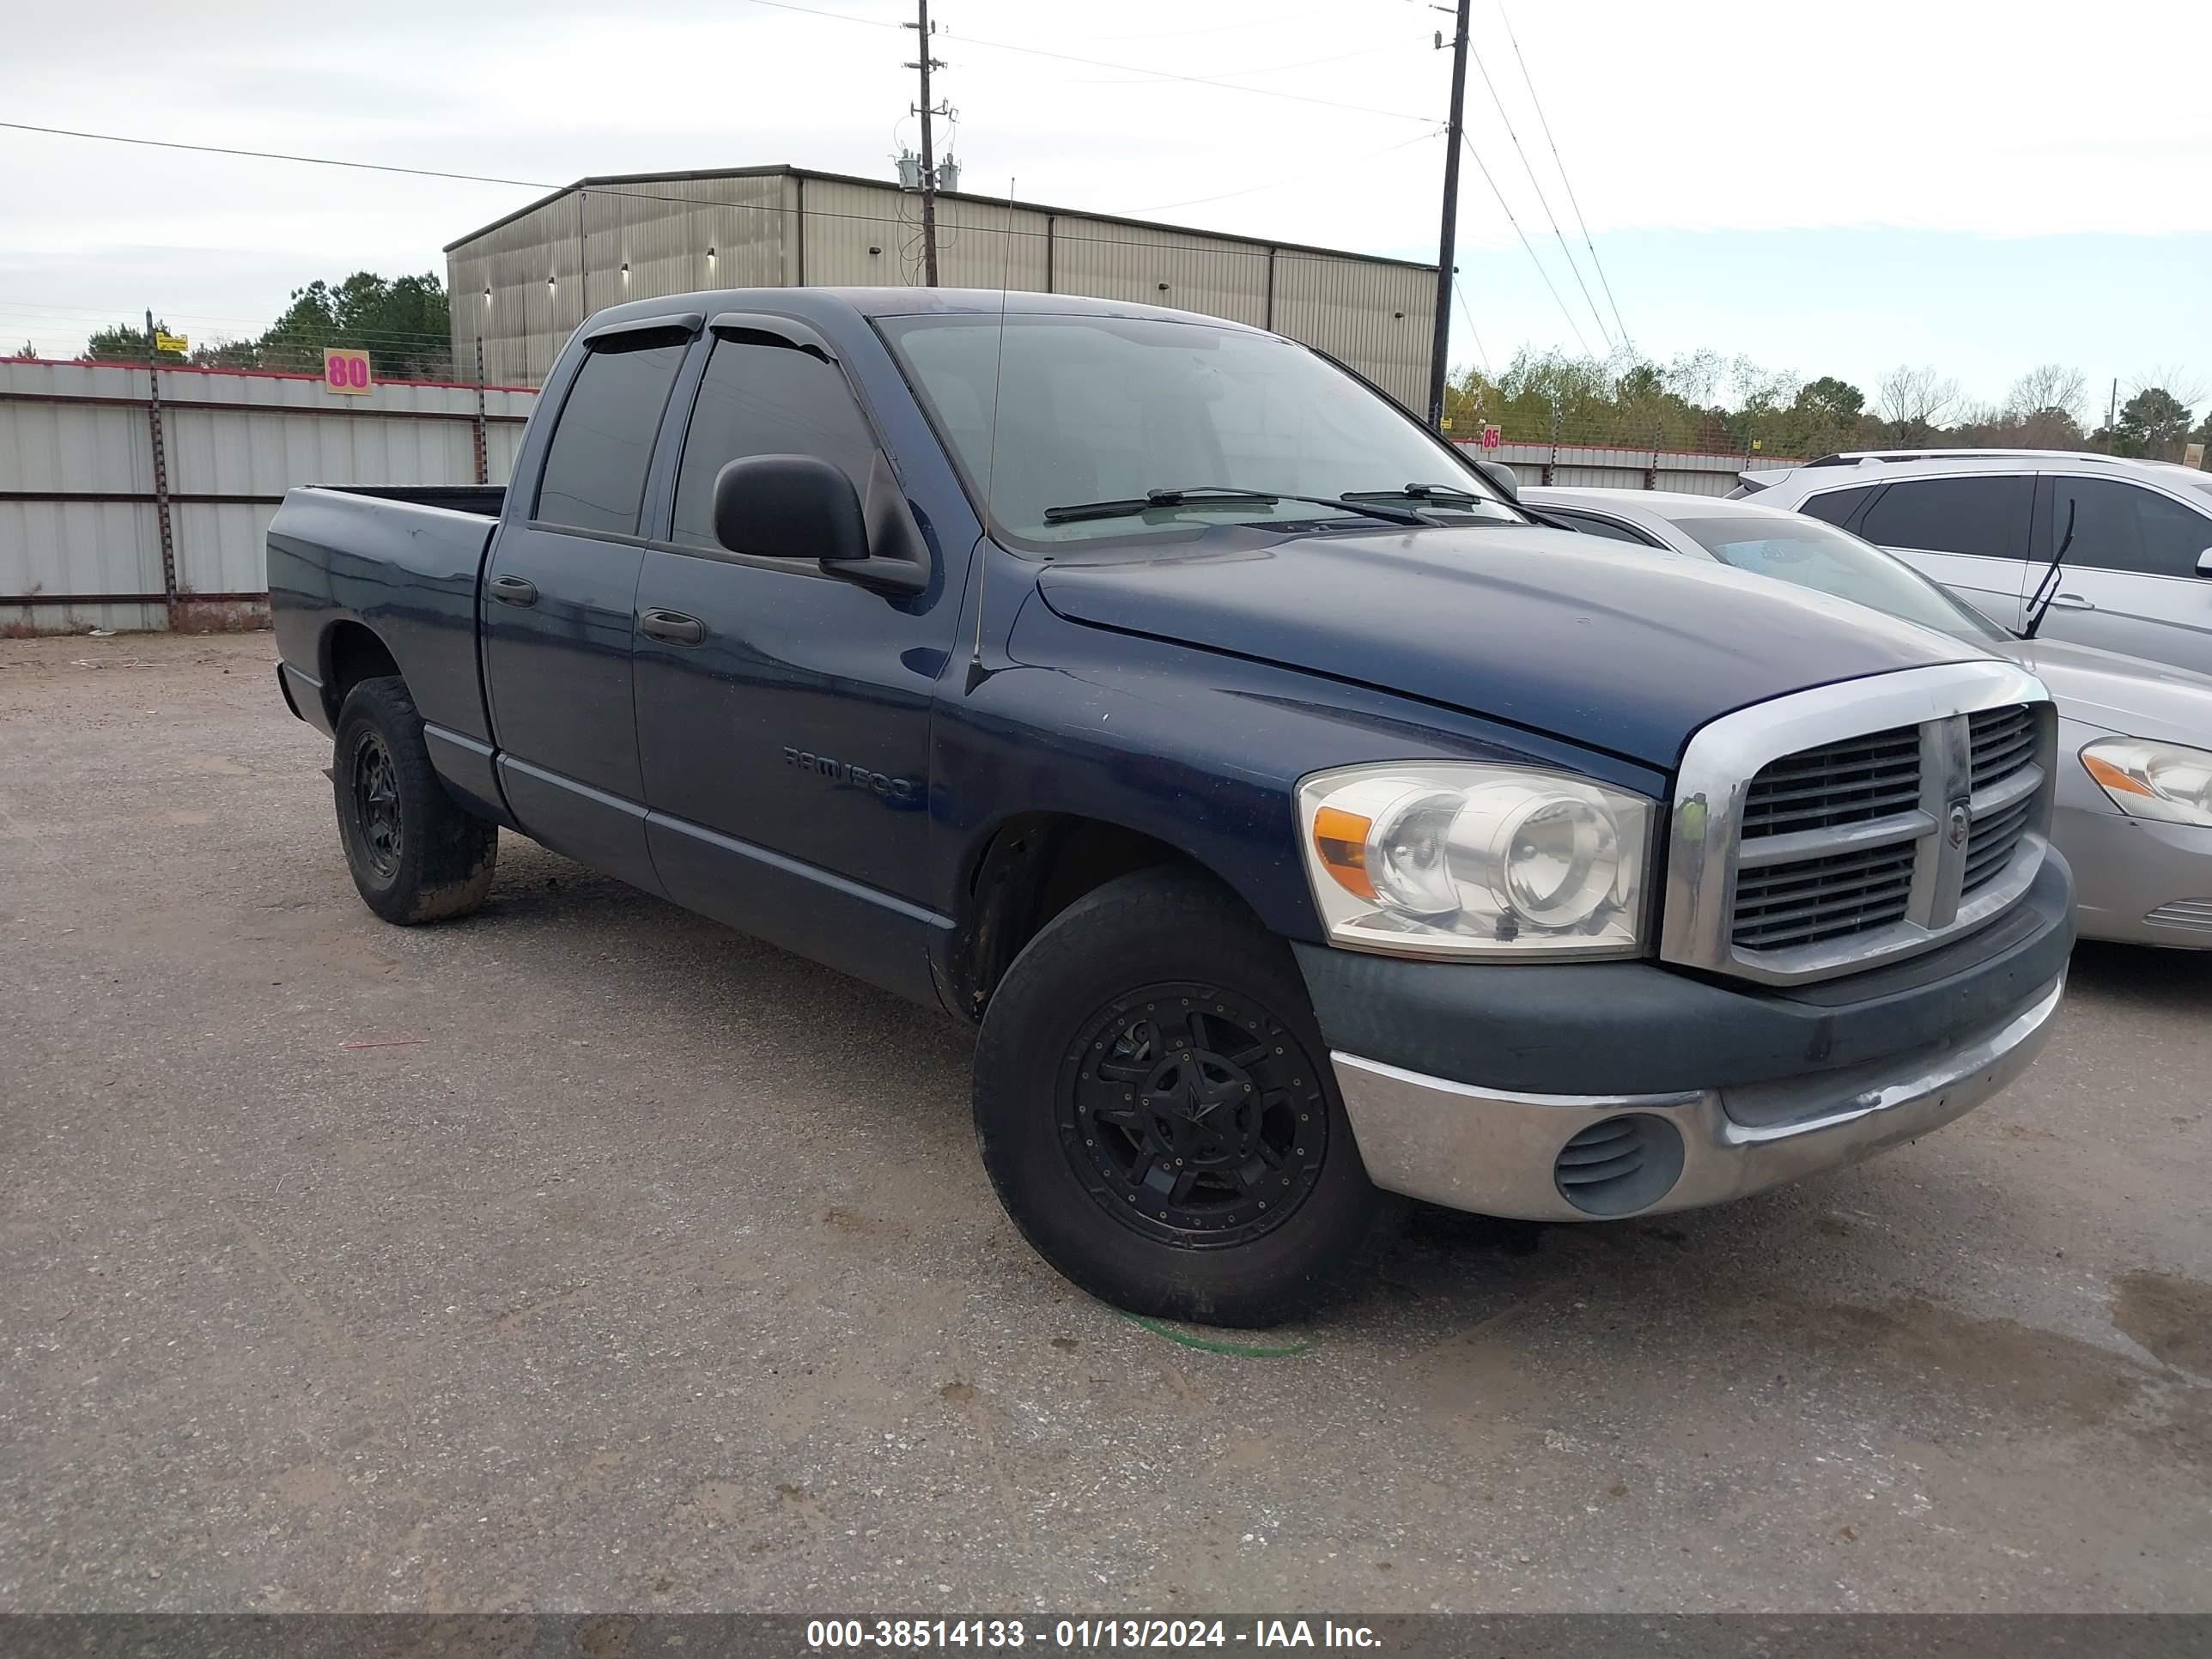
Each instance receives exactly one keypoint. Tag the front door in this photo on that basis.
(558, 606)
(1969, 533)
(783, 715)
(2130, 582)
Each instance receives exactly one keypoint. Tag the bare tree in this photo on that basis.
(2049, 389)
(1914, 401)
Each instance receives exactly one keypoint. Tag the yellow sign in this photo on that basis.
(176, 343)
(345, 371)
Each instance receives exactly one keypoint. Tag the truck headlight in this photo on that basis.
(1462, 859)
(2148, 779)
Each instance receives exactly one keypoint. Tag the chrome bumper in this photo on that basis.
(1499, 1153)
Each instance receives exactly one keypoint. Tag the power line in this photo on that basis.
(1260, 251)
(1294, 179)
(1466, 311)
(1542, 200)
(1528, 246)
(1529, 81)
(1095, 62)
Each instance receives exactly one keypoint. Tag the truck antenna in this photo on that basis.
(977, 672)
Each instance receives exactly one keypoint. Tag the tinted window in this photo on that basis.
(1836, 506)
(1831, 560)
(595, 466)
(1589, 526)
(2118, 526)
(1986, 515)
(765, 399)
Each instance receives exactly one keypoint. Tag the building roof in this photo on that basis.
(613, 182)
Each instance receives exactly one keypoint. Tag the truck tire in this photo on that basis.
(1155, 1106)
(416, 855)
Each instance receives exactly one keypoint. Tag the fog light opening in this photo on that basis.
(1619, 1165)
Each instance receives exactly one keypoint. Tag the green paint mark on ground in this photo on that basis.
(1211, 1345)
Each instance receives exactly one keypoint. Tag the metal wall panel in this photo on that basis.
(1576, 466)
(788, 226)
(81, 430)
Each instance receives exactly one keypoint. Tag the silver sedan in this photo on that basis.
(2134, 805)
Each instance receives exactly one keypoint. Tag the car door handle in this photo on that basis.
(514, 590)
(672, 626)
(2073, 602)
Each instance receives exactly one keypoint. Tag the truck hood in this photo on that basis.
(1544, 629)
(2125, 694)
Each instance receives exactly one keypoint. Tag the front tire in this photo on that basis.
(1156, 1109)
(414, 854)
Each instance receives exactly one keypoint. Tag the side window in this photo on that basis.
(2119, 526)
(595, 476)
(1986, 515)
(764, 398)
(1592, 526)
(1835, 506)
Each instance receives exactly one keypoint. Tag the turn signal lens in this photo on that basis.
(1341, 838)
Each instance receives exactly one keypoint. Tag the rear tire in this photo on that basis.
(1157, 1110)
(415, 853)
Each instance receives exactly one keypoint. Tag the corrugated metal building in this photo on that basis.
(524, 282)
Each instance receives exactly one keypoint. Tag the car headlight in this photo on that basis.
(2148, 779)
(1459, 859)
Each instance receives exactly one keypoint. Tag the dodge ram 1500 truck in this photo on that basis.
(1298, 820)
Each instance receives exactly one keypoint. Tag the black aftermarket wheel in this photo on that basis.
(1154, 1105)
(415, 853)
(1192, 1115)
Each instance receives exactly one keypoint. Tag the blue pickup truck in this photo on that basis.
(1299, 820)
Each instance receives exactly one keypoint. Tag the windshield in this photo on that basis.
(1105, 409)
(1831, 560)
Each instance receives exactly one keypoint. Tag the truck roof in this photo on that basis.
(814, 303)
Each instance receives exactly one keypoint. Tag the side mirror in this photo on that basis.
(789, 507)
(2204, 563)
(1509, 484)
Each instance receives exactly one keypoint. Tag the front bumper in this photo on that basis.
(1500, 1153)
(1567, 1091)
(2140, 881)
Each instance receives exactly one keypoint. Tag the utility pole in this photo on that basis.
(926, 110)
(1446, 235)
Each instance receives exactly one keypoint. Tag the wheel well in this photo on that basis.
(351, 654)
(1035, 867)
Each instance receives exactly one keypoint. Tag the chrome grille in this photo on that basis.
(2001, 742)
(1809, 900)
(1991, 846)
(1909, 807)
(1838, 783)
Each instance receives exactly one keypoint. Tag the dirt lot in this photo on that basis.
(585, 1255)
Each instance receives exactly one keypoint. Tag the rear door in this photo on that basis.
(1969, 533)
(783, 714)
(2130, 582)
(557, 605)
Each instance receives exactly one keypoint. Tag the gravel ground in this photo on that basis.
(586, 1255)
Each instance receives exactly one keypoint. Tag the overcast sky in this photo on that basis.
(1976, 186)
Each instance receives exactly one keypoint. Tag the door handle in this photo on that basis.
(514, 590)
(672, 626)
(2073, 602)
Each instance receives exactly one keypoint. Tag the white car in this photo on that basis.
(2126, 546)
(2133, 810)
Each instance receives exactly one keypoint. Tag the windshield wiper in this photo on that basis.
(1423, 492)
(1221, 496)
(2039, 606)
(1452, 496)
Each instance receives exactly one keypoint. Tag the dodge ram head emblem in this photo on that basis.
(1960, 822)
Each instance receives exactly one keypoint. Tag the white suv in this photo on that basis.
(2132, 540)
